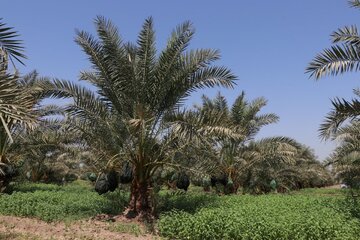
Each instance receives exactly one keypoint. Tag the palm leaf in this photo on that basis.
(335, 60)
(354, 3)
(8, 43)
(146, 53)
(343, 110)
(348, 35)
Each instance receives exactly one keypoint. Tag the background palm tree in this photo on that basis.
(16, 101)
(290, 164)
(47, 152)
(343, 56)
(135, 88)
(345, 160)
(233, 148)
(232, 156)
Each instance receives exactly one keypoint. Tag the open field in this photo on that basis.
(68, 212)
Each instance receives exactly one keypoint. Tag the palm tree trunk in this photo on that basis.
(140, 204)
(4, 180)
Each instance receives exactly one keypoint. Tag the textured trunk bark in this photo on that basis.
(4, 183)
(140, 205)
(3, 179)
(35, 175)
(236, 187)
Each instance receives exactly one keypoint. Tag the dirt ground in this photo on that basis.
(17, 228)
(337, 186)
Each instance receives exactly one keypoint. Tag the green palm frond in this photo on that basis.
(356, 91)
(49, 110)
(354, 3)
(335, 60)
(93, 49)
(109, 35)
(256, 105)
(84, 99)
(176, 45)
(146, 54)
(239, 107)
(220, 103)
(15, 102)
(349, 138)
(189, 76)
(350, 132)
(9, 44)
(211, 77)
(346, 34)
(266, 119)
(342, 110)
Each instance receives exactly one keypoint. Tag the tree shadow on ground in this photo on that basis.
(190, 203)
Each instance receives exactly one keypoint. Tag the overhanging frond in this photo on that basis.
(335, 60)
(354, 3)
(342, 110)
(348, 35)
(9, 44)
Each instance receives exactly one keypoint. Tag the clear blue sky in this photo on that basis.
(267, 44)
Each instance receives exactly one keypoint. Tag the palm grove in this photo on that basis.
(133, 122)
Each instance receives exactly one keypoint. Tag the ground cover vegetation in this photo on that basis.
(305, 214)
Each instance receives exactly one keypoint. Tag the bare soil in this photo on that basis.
(337, 186)
(18, 228)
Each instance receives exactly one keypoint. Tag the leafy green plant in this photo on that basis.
(53, 203)
(186, 202)
(262, 217)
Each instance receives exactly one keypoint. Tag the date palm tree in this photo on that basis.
(346, 157)
(45, 146)
(136, 87)
(16, 102)
(234, 151)
(343, 56)
(291, 164)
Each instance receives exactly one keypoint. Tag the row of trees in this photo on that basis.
(136, 117)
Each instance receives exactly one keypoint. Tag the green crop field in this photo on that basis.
(264, 217)
(306, 214)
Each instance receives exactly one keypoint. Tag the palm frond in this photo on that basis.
(266, 119)
(335, 60)
(109, 61)
(9, 44)
(49, 110)
(346, 34)
(180, 83)
(146, 53)
(342, 110)
(354, 3)
(16, 102)
(176, 45)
